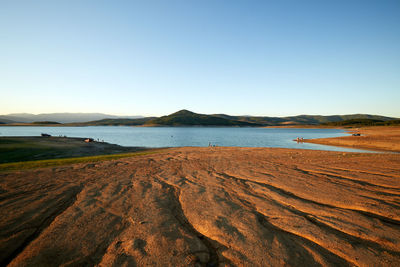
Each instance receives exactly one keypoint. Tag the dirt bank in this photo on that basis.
(386, 138)
(206, 206)
(25, 148)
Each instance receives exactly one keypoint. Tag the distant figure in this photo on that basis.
(301, 140)
(298, 139)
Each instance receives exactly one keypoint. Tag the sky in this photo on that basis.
(247, 57)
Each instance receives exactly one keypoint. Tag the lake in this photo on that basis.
(188, 136)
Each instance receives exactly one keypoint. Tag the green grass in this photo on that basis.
(17, 149)
(23, 149)
(66, 161)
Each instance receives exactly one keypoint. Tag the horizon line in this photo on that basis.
(244, 115)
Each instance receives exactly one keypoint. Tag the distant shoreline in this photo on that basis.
(306, 126)
(377, 138)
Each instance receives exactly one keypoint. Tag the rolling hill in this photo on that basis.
(188, 118)
(318, 119)
(59, 117)
(114, 122)
(5, 121)
(302, 119)
(363, 122)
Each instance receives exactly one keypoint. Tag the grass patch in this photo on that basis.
(18, 149)
(66, 161)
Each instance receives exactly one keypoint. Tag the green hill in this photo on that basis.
(363, 122)
(318, 119)
(264, 121)
(188, 118)
(301, 119)
(114, 122)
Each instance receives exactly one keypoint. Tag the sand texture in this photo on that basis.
(386, 138)
(206, 207)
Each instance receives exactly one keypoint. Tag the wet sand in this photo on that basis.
(385, 138)
(206, 207)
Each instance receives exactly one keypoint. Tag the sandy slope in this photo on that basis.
(385, 138)
(206, 206)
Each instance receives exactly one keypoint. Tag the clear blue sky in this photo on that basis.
(272, 58)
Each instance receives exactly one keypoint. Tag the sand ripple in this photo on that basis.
(206, 207)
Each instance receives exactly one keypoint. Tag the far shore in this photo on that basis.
(156, 125)
(377, 138)
(307, 126)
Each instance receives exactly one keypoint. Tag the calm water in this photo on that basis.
(187, 136)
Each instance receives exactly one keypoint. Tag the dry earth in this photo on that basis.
(385, 138)
(206, 207)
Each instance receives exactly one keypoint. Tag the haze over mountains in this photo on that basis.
(185, 118)
(59, 117)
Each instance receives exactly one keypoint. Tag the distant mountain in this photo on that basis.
(265, 121)
(114, 122)
(188, 118)
(60, 117)
(318, 119)
(5, 120)
(363, 122)
(302, 119)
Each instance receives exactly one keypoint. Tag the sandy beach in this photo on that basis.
(206, 207)
(385, 138)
